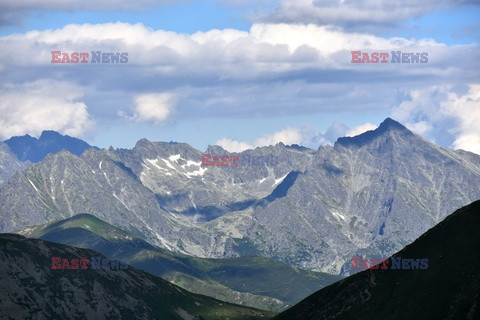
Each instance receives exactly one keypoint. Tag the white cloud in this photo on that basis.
(32, 107)
(233, 145)
(287, 136)
(272, 70)
(154, 107)
(304, 136)
(445, 116)
(360, 129)
(469, 142)
(420, 127)
(466, 108)
(267, 49)
(281, 55)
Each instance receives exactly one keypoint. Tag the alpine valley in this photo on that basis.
(257, 282)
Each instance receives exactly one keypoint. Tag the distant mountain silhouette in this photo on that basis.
(28, 148)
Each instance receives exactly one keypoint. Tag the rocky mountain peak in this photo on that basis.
(387, 127)
(216, 150)
(50, 134)
(142, 143)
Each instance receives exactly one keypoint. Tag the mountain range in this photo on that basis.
(368, 195)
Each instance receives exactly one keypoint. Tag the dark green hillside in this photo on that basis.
(30, 289)
(253, 281)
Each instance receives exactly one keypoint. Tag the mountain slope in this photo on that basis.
(30, 288)
(9, 163)
(448, 289)
(28, 148)
(371, 194)
(116, 186)
(64, 184)
(199, 193)
(252, 281)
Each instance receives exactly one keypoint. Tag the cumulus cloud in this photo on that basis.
(36, 106)
(466, 108)
(298, 60)
(233, 145)
(304, 136)
(360, 129)
(287, 136)
(272, 70)
(266, 50)
(444, 115)
(155, 107)
(292, 68)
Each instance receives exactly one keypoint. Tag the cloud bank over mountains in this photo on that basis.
(295, 60)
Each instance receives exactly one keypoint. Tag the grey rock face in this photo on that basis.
(313, 209)
(64, 184)
(9, 163)
(363, 196)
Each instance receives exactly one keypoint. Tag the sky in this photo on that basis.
(240, 73)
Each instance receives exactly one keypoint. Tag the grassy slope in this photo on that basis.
(31, 289)
(254, 281)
